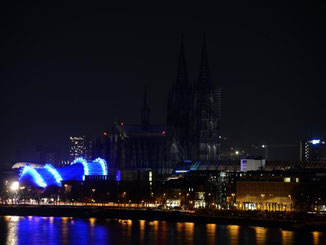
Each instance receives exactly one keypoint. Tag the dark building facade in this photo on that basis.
(192, 131)
(137, 147)
(131, 147)
(194, 113)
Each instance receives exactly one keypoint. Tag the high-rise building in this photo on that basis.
(80, 146)
(312, 150)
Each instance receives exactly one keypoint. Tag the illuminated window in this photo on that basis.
(150, 178)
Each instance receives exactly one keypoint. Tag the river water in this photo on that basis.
(64, 230)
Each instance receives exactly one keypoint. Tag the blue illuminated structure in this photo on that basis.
(49, 175)
(55, 173)
(37, 178)
(103, 165)
(85, 165)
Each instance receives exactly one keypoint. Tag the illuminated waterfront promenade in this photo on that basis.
(115, 211)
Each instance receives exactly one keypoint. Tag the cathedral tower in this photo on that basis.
(194, 113)
(207, 110)
(179, 111)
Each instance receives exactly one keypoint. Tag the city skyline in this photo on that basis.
(162, 123)
(74, 75)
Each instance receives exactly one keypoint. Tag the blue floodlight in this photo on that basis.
(104, 165)
(118, 176)
(39, 181)
(55, 173)
(77, 170)
(85, 164)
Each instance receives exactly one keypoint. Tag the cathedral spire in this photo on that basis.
(204, 79)
(182, 74)
(145, 111)
(169, 107)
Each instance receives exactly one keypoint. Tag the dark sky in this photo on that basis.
(71, 69)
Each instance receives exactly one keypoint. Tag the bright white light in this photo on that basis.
(181, 171)
(315, 142)
(14, 186)
(237, 152)
(263, 146)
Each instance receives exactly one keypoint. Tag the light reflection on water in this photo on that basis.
(260, 235)
(233, 233)
(211, 233)
(316, 237)
(287, 237)
(68, 230)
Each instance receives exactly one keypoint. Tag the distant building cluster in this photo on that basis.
(248, 184)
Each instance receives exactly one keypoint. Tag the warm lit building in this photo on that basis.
(294, 190)
(265, 195)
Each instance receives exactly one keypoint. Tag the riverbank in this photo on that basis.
(148, 214)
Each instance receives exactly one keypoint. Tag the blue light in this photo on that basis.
(72, 172)
(118, 176)
(39, 181)
(55, 173)
(181, 171)
(85, 164)
(77, 170)
(103, 165)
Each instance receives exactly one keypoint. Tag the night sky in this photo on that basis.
(71, 69)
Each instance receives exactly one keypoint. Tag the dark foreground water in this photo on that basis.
(55, 230)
